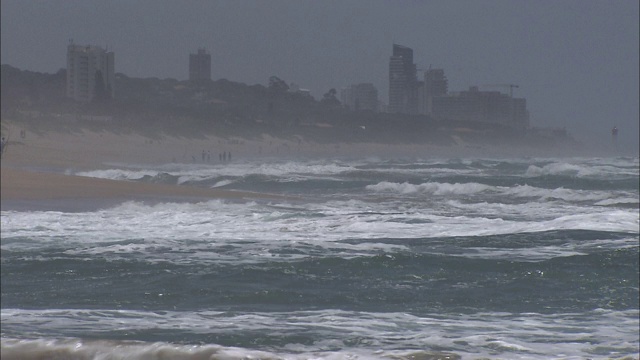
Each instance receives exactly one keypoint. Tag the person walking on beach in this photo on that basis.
(3, 144)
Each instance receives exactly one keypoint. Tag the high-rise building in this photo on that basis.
(200, 66)
(403, 82)
(90, 72)
(435, 85)
(435, 82)
(360, 97)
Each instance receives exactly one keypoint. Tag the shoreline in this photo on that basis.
(85, 149)
(30, 190)
(35, 165)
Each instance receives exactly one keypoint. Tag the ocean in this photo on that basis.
(523, 258)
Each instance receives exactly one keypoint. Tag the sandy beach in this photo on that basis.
(37, 166)
(36, 170)
(38, 190)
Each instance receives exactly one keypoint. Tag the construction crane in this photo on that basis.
(510, 86)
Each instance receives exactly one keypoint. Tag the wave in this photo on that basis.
(309, 225)
(560, 193)
(430, 187)
(457, 176)
(327, 334)
(631, 202)
(78, 349)
(500, 193)
(583, 170)
(234, 169)
(118, 174)
(208, 234)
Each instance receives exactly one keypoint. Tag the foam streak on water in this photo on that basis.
(507, 258)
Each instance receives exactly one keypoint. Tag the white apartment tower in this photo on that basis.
(90, 72)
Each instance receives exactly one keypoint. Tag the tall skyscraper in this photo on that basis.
(403, 82)
(200, 66)
(90, 72)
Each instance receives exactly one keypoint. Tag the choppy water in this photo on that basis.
(520, 258)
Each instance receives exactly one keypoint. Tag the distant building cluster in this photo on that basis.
(90, 75)
(431, 96)
(90, 72)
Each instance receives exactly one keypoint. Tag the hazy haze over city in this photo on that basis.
(576, 62)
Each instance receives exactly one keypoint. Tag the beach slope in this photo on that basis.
(30, 190)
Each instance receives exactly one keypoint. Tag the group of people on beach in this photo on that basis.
(223, 156)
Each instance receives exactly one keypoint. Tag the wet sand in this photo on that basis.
(31, 190)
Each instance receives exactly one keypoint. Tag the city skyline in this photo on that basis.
(576, 62)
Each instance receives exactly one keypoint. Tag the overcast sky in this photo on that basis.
(575, 61)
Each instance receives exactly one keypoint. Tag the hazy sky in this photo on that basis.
(576, 62)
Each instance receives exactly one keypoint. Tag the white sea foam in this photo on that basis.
(430, 187)
(529, 335)
(556, 169)
(222, 183)
(618, 201)
(117, 174)
(558, 193)
(498, 193)
(542, 252)
(76, 349)
(167, 232)
(199, 172)
(583, 169)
